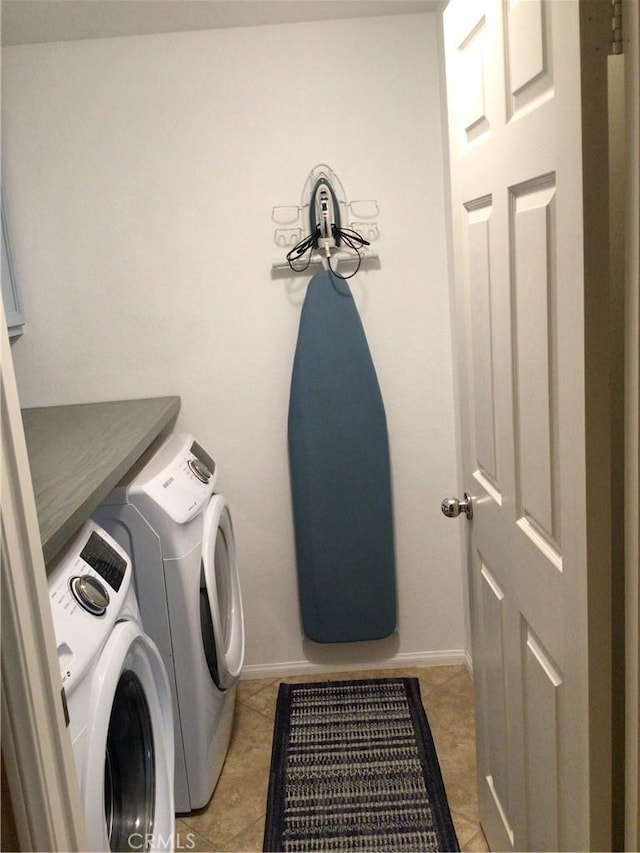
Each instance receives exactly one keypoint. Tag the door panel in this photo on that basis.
(533, 297)
(525, 197)
(542, 690)
(529, 73)
(493, 636)
(481, 342)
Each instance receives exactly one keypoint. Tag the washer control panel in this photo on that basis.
(88, 587)
(180, 478)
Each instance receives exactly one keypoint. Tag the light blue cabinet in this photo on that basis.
(11, 295)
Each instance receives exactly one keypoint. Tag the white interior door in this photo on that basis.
(526, 83)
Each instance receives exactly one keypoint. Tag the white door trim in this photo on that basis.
(36, 747)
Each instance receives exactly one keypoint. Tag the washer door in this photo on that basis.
(127, 782)
(220, 599)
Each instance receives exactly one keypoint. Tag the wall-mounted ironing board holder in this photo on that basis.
(292, 223)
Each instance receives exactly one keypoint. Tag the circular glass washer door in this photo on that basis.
(127, 783)
(221, 596)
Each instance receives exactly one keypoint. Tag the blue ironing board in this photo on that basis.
(340, 473)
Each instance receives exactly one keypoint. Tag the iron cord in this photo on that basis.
(305, 246)
(354, 241)
(346, 236)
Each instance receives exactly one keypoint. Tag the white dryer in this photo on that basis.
(180, 535)
(118, 697)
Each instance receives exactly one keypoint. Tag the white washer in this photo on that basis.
(180, 536)
(118, 697)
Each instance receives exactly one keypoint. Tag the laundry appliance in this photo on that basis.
(118, 697)
(180, 535)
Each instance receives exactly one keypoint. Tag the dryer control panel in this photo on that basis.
(88, 592)
(180, 478)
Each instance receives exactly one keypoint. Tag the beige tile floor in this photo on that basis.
(234, 818)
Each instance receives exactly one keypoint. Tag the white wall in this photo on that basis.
(140, 174)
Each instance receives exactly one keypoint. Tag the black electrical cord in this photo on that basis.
(347, 236)
(301, 249)
(354, 241)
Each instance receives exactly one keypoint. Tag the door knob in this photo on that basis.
(452, 507)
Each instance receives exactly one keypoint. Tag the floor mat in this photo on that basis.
(354, 768)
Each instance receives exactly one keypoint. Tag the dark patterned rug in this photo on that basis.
(354, 768)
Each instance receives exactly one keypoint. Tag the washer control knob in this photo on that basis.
(90, 594)
(200, 470)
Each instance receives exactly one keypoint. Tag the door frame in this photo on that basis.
(43, 792)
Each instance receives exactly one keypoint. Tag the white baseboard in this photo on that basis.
(450, 657)
(468, 662)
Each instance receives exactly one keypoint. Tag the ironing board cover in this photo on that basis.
(340, 473)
